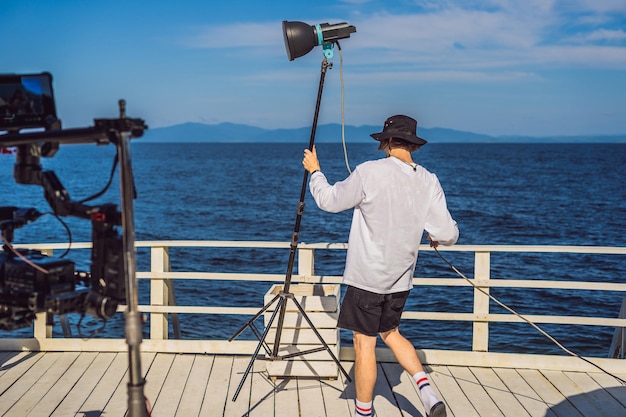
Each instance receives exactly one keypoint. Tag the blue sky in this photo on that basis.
(533, 67)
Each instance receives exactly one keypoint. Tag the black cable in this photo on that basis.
(343, 118)
(540, 330)
(106, 187)
(69, 233)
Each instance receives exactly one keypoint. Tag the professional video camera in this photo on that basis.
(30, 281)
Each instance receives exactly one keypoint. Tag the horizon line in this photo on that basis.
(507, 135)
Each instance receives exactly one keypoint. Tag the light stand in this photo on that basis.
(299, 40)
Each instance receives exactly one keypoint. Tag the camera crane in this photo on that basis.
(114, 256)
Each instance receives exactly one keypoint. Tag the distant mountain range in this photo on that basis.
(238, 133)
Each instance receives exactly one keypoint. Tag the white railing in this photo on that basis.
(161, 309)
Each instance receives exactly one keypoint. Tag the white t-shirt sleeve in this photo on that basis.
(439, 223)
(342, 195)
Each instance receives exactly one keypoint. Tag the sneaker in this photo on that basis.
(438, 410)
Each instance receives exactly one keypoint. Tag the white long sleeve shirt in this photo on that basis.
(393, 205)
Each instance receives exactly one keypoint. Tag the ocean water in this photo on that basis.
(506, 194)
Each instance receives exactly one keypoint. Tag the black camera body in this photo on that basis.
(55, 276)
(34, 283)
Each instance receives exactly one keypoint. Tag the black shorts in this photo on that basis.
(370, 313)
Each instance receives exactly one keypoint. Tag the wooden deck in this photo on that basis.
(92, 384)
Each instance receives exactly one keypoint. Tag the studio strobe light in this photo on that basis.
(301, 38)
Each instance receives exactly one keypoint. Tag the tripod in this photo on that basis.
(283, 296)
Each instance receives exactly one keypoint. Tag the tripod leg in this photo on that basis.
(258, 348)
(259, 337)
(256, 316)
(319, 336)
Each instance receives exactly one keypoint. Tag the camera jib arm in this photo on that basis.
(107, 246)
(54, 192)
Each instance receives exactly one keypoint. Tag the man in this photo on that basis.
(394, 201)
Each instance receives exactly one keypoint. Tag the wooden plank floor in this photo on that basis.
(89, 384)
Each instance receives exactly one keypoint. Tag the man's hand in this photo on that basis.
(433, 243)
(310, 161)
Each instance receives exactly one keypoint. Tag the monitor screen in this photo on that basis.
(26, 101)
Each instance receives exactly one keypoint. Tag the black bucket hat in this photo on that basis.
(400, 127)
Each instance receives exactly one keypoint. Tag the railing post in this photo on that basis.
(41, 329)
(306, 267)
(159, 295)
(480, 342)
(619, 337)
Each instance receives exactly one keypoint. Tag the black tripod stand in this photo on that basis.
(282, 297)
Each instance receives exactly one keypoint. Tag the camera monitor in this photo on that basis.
(26, 101)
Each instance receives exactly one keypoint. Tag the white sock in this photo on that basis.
(362, 409)
(427, 394)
